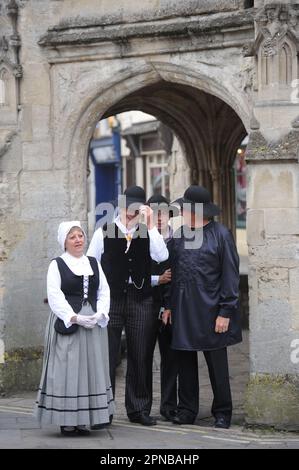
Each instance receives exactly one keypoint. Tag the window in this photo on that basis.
(3, 88)
(157, 177)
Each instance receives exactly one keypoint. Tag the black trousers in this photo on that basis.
(137, 317)
(189, 385)
(169, 370)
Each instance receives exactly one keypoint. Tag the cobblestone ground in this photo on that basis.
(18, 429)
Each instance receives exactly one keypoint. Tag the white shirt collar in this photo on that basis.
(122, 227)
(79, 266)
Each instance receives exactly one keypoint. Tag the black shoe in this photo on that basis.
(169, 415)
(69, 431)
(182, 419)
(96, 427)
(221, 422)
(83, 431)
(143, 418)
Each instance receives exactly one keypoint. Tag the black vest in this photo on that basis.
(72, 285)
(119, 266)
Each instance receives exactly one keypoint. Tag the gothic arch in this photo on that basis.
(127, 84)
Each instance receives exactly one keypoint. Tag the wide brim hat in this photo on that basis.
(134, 195)
(158, 201)
(198, 195)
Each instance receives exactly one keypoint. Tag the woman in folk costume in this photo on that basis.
(75, 389)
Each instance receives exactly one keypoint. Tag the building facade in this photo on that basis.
(213, 72)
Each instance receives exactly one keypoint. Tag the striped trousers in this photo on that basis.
(136, 315)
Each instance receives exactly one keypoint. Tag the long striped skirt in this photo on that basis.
(75, 386)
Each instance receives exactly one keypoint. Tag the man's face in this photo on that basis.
(130, 215)
(161, 219)
(192, 219)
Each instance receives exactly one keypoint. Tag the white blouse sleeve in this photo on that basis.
(96, 246)
(56, 298)
(158, 249)
(103, 299)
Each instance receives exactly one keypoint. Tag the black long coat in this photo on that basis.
(205, 284)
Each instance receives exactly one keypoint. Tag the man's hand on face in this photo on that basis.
(147, 216)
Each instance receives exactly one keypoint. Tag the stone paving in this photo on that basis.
(18, 429)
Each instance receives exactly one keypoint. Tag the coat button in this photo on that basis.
(125, 290)
(130, 259)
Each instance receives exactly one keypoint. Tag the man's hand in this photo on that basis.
(146, 216)
(165, 277)
(221, 324)
(166, 317)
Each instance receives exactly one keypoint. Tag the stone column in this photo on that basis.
(273, 224)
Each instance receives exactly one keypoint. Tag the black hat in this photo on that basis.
(163, 201)
(200, 195)
(134, 195)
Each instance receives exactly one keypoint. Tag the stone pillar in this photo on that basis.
(273, 224)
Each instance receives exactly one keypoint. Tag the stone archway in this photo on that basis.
(203, 115)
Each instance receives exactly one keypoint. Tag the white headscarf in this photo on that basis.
(64, 229)
(79, 266)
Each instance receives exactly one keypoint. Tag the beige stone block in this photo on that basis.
(40, 122)
(44, 194)
(282, 221)
(37, 155)
(255, 227)
(269, 274)
(36, 85)
(269, 290)
(272, 186)
(294, 285)
(26, 132)
(295, 314)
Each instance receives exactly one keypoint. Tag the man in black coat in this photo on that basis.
(204, 304)
(161, 277)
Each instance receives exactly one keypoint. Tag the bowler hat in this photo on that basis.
(162, 201)
(199, 195)
(132, 195)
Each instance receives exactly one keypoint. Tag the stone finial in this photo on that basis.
(12, 8)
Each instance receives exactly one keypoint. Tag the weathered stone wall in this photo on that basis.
(71, 62)
(273, 202)
(61, 94)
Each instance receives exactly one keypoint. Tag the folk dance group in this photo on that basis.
(140, 276)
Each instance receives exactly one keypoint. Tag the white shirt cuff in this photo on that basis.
(154, 281)
(67, 320)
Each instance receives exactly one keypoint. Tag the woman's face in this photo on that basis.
(74, 243)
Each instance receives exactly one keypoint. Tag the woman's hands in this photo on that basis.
(88, 321)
